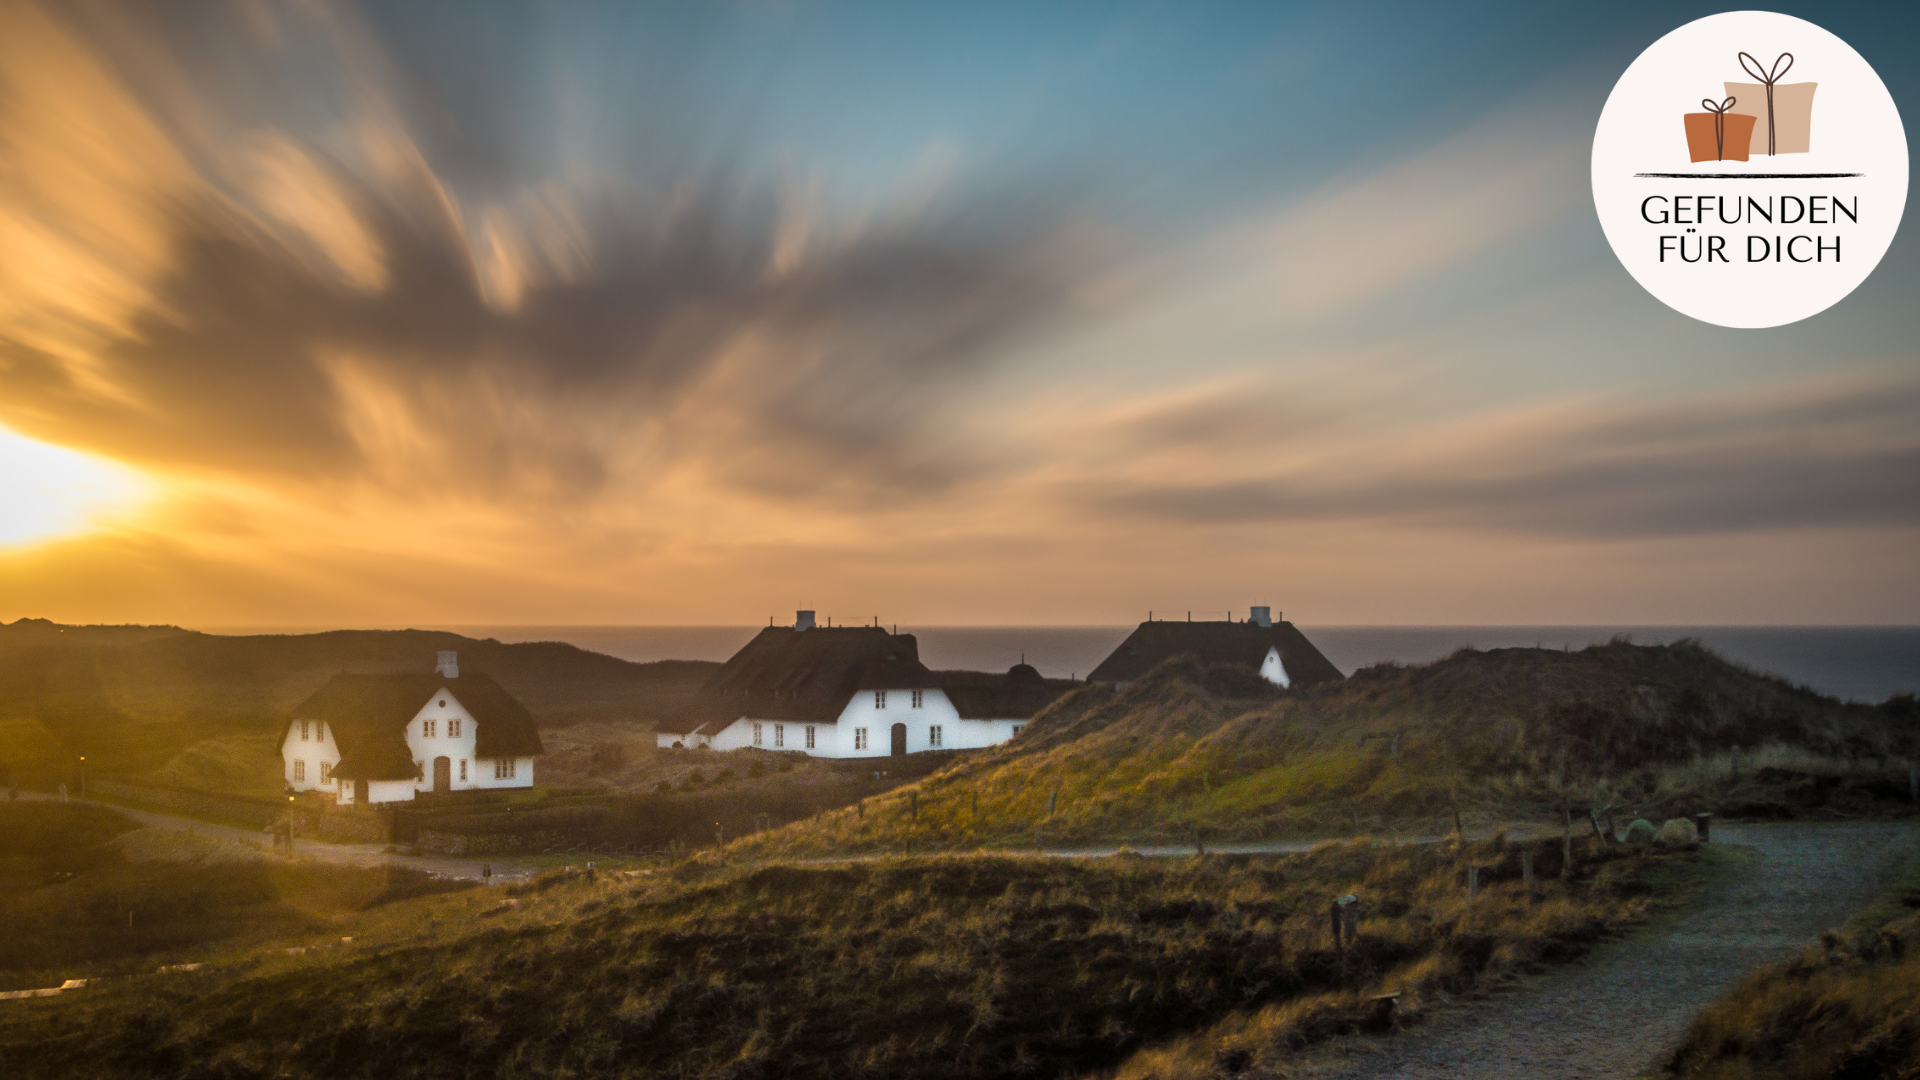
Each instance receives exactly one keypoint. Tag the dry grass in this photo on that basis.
(944, 966)
(1516, 734)
(1849, 1007)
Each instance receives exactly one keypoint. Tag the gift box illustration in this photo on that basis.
(1719, 134)
(1782, 112)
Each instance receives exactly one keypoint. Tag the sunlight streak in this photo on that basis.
(48, 491)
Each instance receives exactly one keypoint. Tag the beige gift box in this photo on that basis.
(1792, 115)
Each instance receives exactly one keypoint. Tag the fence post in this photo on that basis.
(1733, 761)
(1051, 796)
(1198, 847)
(1526, 867)
(1701, 823)
(1473, 882)
(1566, 847)
(1335, 921)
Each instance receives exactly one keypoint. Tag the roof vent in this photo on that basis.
(1261, 616)
(803, 620)
(449, 666)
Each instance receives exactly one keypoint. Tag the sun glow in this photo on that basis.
(48, 491)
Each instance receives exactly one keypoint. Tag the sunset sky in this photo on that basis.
(315, 314)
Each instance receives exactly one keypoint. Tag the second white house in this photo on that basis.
(851, 692)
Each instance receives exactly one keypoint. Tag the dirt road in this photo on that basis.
(1616, 1013)
(504, 869)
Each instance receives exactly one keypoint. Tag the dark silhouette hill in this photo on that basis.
(1501, 733)
(134, 698)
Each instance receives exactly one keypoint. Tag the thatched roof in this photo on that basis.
(1242, 643)
(369, 714)
(1020, 694)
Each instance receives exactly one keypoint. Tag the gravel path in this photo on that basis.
(1616, 1013)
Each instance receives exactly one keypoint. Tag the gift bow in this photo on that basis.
(1719, 125)
(1752, 67)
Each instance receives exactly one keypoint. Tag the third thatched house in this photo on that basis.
(1277, 650)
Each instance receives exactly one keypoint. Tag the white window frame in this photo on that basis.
(919, 698)
(756, 733)
(453, 728)
(326, 772)
(879, 699)
(779, 736)
(809, 736)
(426, 729)
(463, 770)
(933, 734)
(319, 731)
(303, 731)
(1017, 727)
(859, 738)
(300, 770)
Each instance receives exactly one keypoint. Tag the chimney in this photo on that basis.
(1260, 616)
(449, 667)
(803, 620)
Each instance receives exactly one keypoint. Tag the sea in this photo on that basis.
(1855, 663)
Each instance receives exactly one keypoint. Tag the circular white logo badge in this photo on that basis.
(1750, 169)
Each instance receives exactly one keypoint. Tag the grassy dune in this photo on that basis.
(942, 966)
(1503, 734)
(1849, 1007)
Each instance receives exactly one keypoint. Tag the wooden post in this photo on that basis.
(1526, 867)
(1566, 847)
(1198, 847)
(860, 809)
(1473, 882)
(1701, 823)
(1393, 748)
(1051, 796)
(1734, 761)
(1454, 800)
(1335, 921)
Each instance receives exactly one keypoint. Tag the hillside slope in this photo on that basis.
(1496, 732)
(134, 699)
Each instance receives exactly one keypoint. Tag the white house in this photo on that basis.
(369, 739)
(852, 692)
(1277, 650)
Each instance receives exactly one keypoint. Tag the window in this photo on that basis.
(503, 768)
(933, 735)
(426, 728)
(320, 730)
(756, 733)
(779, 736)
(303, 731)
(1017, 727)
(443, 703)
(419, 770)
(859, 738)
(463, 770)
(299, 772)
(879, 699)
(326, 772)
(809, 736)
(919, 698)
(453, 729)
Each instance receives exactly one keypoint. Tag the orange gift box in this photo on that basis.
(1718, 135)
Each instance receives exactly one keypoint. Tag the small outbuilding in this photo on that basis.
(1277, 650)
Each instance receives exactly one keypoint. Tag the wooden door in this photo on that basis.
(899, 740)
(442, 774)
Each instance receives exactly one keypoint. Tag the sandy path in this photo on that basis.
(504, 869)
(1616, 1013)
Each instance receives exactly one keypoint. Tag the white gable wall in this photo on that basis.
(1272, 670)
(315, 750)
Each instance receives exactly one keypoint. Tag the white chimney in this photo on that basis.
(803, 620)
(1261, 616)
(449, 664)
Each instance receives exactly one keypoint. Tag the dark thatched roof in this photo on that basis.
(804, 676)
(1242, 643)
(369, 713)
(1020, 694)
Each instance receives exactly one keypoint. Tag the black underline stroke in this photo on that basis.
(1751, 176)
